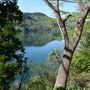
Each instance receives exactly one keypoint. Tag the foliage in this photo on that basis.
(80, 67)
(11, 62)
(43, 75)
(82, 57)
(42, 80)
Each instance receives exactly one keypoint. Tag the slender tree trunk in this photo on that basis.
(63, 70)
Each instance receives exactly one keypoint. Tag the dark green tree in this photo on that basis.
(11, 50)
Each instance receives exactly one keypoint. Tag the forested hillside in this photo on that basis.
(38, 25)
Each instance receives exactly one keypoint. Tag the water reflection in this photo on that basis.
(40, 54)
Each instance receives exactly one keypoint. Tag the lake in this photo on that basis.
(38, 54)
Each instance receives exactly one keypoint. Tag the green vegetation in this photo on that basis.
(41, 26)
(11, 62)
(80, 68)
(44, 75)
(38, 29)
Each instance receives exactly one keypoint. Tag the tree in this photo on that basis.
(11, 49)
(43, 75)
(70, 43)
(81, 59)
(80, 66)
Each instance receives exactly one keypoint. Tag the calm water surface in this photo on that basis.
(38, 54)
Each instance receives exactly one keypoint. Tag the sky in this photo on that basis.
(39, 6)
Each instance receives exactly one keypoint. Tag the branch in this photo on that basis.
(60, 23)
(62, 28)
(80, 23)
(71, 1)
(50, 5)
(58, 5)
(66, 18)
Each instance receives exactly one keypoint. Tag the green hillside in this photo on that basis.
(38, 25)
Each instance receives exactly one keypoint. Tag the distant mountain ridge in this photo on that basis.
(35, 14)
(38, 21)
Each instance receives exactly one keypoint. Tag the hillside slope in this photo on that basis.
(38, 29)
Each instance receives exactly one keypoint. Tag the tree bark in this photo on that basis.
(69, 49)
(70, 44)
(63, 70)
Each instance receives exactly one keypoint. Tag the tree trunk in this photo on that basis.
(63, 71)
(70, 44)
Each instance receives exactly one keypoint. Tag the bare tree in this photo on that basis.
(70, 43)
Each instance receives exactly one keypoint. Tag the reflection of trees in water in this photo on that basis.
(38, 29)
(37, 38)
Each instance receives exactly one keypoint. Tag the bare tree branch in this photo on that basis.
(66, 18)
(59, 20)
(57, 4)
(71, 1)
(50, 5)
